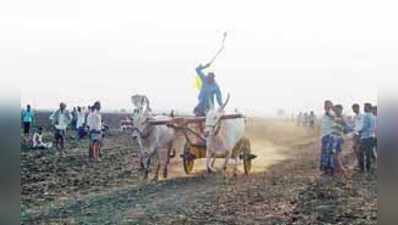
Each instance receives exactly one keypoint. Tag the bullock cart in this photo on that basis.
(195, 146)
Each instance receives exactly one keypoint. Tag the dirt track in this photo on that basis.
(267, 196)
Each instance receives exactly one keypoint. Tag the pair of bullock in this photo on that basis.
(221, 136)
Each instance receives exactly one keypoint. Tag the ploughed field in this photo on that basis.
(283, 188)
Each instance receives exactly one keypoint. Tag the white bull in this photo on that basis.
(153, 140)
(222, 136)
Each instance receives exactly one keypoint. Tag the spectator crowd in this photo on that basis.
(83, 122)
(336, 129)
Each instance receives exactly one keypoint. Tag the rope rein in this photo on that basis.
(186, 130)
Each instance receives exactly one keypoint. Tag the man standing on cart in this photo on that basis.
(209, 89)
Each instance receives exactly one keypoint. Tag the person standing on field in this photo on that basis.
(358, 121)
(312, 119)
(367, 133)
(80, 123)
(27, 120)
(60, 120)
(338, 131)
(95, 125)
(326, 160)
(74, 118)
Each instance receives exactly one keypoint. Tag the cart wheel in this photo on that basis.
(247, 156)
(188, 159)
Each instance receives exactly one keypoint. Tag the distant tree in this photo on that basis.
(123, 110)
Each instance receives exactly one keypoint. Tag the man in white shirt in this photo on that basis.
(94, 123)
(60, 119)
(326, 161)
(358, 123)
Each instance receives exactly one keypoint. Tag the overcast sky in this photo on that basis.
(278, 54)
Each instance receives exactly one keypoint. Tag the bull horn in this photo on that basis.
(148, 107)
(134, 100)
(211, 105)
(226, 102)
(137, 100)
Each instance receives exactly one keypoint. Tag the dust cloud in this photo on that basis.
(271, 141)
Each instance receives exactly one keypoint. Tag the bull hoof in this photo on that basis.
(211, 170)
(172, 154)
(146, 173)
